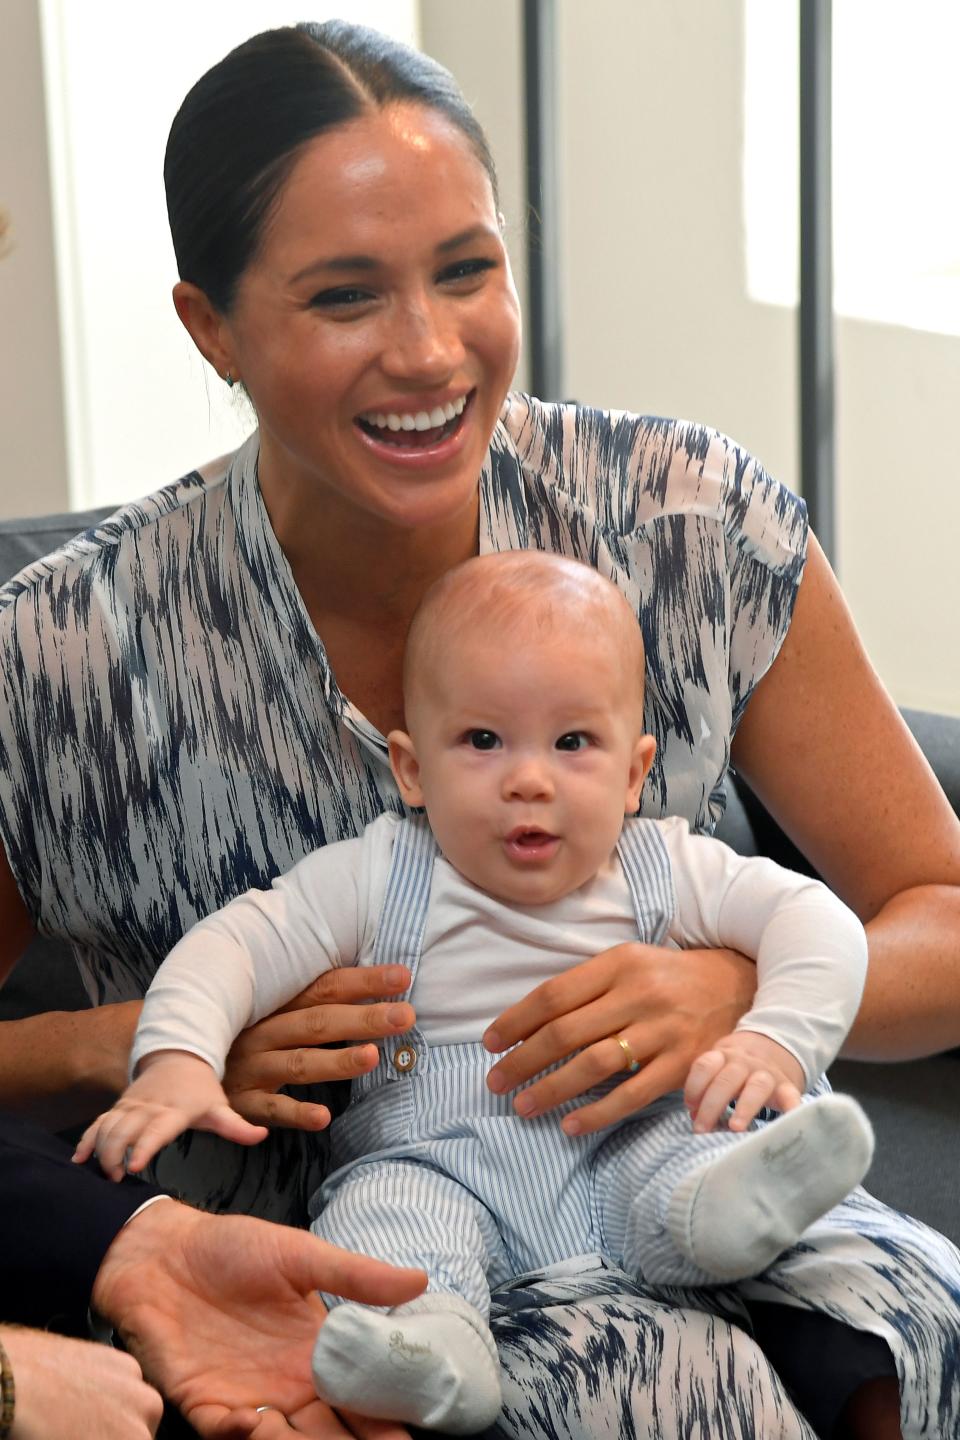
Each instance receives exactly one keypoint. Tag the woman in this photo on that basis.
(197, 694)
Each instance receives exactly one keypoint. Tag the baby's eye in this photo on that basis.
(574, 740)
(483, 739)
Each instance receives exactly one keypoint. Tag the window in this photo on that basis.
(896, 130)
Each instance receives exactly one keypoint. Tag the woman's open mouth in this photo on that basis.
(416, 429)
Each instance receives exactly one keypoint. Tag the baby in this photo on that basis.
(525, 746)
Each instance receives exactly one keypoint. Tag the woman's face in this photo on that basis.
(380, 299)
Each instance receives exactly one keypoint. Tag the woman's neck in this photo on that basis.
(362, 569)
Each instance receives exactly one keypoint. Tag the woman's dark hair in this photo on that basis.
(239, 131)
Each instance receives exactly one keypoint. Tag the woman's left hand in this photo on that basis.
(669, 1006)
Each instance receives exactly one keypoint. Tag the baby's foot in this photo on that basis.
(437, 1367)
(734, 1215)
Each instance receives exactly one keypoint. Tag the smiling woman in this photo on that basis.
(197, 694)
(380, 287)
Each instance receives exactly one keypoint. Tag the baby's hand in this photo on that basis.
(173, 1092)
(749, 1068)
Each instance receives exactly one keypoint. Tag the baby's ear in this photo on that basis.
(405, 767)
(643, 752)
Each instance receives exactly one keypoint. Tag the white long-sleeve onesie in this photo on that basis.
(481, 955)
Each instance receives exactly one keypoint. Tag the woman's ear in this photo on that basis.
(208, 329)
(405, 767)
(644, 750)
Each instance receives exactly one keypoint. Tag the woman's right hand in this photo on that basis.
(67, 1389)
(308, 1042)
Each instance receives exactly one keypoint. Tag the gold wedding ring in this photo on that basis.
(631, 1063)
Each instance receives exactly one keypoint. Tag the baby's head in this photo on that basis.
(523, 696)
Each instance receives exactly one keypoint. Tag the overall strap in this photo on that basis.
(399, 941)
(407, 897)
(646, 864)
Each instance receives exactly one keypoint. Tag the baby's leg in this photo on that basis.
(692, 1219)
(433, 1361)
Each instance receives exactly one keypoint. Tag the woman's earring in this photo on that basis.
(229, 379)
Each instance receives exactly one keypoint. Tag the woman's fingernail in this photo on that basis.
(525, 1104)
(570, 1125)
(396, 977)
(398, 1015)
(496, 1083)
(492, 1041)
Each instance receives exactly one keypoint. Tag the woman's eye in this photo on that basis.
(465, 270)
(575, 740)
(341, 298)
(483, 739)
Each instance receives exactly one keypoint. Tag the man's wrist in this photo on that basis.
(101, 1329)
(144, 1240)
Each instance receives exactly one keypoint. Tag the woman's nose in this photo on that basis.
(424, 344)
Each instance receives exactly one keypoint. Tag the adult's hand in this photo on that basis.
(288, 1048)
(668, 1005)
(72, 1389)
(222, 1313)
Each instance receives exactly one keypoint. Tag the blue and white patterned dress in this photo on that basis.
(172, 734)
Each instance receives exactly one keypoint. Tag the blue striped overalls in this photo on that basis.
(459, 1185)
(436, 1171)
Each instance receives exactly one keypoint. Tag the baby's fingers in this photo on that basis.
(109, 1138)
(223, 1120)
(87, 1143)
(759, 1090)
(786, 1096)
(703, 1071)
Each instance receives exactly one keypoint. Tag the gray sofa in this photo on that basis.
(913, 1105)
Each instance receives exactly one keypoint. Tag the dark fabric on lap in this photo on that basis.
(57, 1221)
(821, 1361)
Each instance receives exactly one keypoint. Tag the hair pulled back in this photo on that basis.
(239, 131)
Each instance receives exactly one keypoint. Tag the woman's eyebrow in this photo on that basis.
(467, 237)
(336, 264)
(339, 263)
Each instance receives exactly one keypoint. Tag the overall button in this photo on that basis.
(404, 1059)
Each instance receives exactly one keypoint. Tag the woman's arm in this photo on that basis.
(61, 1068)
(825, 749)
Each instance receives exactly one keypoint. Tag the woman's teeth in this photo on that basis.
(421, 420)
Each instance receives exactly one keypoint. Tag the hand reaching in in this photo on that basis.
(173, 1091)
(745, 1067)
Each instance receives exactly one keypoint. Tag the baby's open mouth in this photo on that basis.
(528, 843)
(415, 428)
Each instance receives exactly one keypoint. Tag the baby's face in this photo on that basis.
(527, 761)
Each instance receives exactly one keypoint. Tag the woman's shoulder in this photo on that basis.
(97, 548)
(633, 471)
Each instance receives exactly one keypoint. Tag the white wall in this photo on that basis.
(33, 457)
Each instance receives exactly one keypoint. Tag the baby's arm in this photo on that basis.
(811, 956)
(232, 969)
(174, 1091)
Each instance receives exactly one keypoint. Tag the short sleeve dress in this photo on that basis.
(171, 734)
